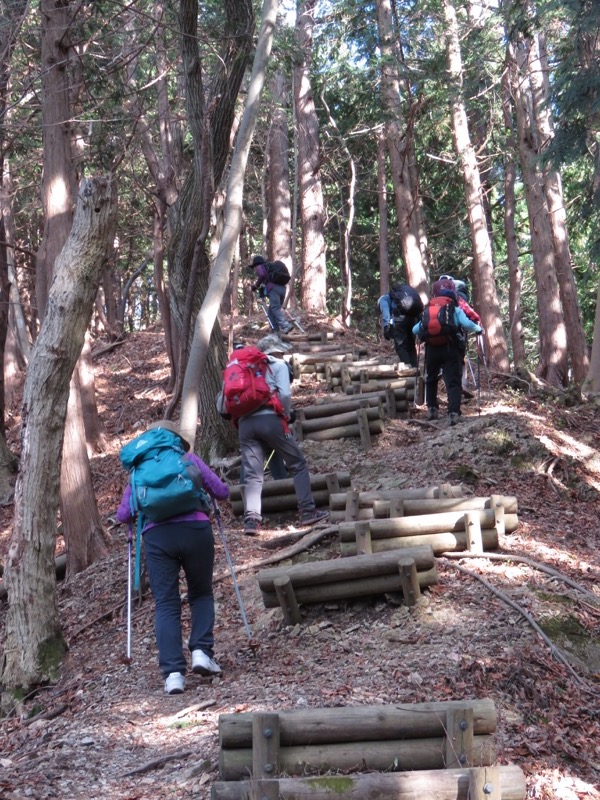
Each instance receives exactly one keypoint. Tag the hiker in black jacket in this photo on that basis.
(399, 310)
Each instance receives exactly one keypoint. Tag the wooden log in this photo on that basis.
(425, 523)
(497, 504)
(404, 390)
(265, 746)
(321, 357)
(485, 783)
(286, 486)
(385, 756)
(473, 531)
(347, 418)
(363, 427)
(439, 542)
(363, 539)
(459, 737)
(332, 409)
(334, 570)
(351, 589)
(443, 784)
(409, 580)
(368, 498)
(282, 502)
(359, 723)
(345, 431)
(352, 498)
(287, 599)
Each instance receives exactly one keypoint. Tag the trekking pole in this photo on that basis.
(127, 659)
(231, 567)
(268, 461)
(478, 379)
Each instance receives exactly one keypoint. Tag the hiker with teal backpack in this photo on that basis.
(441, 329)
(169, 492)
(271, 280)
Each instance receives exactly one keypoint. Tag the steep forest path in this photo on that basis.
(106, 730)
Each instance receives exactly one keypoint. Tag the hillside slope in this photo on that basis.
(107, 730)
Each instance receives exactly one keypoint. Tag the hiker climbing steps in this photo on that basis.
(444, 749)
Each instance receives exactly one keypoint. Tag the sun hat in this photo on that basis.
(169, 426)
(272, 344)
(444, 286)
(257, 260)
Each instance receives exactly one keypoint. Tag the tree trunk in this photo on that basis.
(553, 338)
(312, 211)
(592, 383)
(189, 265)
(382, 206)
(405, 193)
(279, 227)
(194, 389)
(483, 266)
(538, 79)
(512, 250)
(34, 642)
(80, 513)
(58, 176)
(93, 430)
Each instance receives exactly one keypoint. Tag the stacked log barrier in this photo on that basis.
(355, 505)
(445, 531)
(316, 363)
(393, 401)
(347, 375)
(279, 496)
(346, 578)
(507, 782)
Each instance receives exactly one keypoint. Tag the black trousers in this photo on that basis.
(449, 359)
(404, 340)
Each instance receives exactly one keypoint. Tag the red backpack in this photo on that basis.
(245, 388)
(437, 323)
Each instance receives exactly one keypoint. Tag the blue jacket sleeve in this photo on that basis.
(464, 322)
(385, 309)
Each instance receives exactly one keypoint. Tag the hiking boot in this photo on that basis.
(453, 417)
(432, 414)
(203, 664)
(174, 683)
(251, 525)
(314, 516)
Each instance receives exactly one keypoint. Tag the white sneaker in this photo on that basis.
(203, 664)
(175, 683)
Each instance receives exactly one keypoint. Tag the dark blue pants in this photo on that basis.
(168, 548)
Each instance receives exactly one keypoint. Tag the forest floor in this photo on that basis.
(108, 730)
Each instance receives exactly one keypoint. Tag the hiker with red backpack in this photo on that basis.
(271, 280)
(441, 329)
(462, 296)
(169, 491)
(399, 310)
(257, 396)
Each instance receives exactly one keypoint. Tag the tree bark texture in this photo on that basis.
(58, 179)
(279, 227)
(483, 265)
(515, 276)
(552, 332)
(203, 347)
(312, 211)
(34, 642)
(189, 219)
(400, 152)
(540, 92)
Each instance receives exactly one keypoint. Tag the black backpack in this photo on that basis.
(278, 273)
(407, 300)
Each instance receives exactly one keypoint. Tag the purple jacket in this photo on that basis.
(262, 276)
(212, 484)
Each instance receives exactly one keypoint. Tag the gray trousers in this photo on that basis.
(264, 431)
(278, 319)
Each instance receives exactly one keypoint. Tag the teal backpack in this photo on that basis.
(163, 482)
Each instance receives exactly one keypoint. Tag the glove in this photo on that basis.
(387, 331)
(254, 287)
(480, 332)
(262, 291)
(292, 417)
